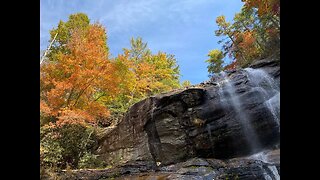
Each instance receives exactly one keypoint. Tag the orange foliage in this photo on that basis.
(70, 85)
(231, 66)
(44, 107)
(264, 6)
(75, 116)
(247, 45)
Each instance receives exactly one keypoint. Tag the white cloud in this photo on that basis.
(129, 15)
(126, 15)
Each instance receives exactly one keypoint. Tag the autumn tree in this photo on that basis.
(271, 7)
(215, 61)
(81, 87)
(64, 31)
(75, 85)
(254, 33)
(155, 73)
(143, 74)
(225, 30)
(186, 83)
(139, 50)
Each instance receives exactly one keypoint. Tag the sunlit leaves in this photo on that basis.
(264, 6)
(254, 33)
(215, 61)
(143, 73)
(186, 83)
(70, 84)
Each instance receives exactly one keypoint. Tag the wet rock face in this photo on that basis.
(203, 121)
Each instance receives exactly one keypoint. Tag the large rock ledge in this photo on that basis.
(193, 122)
(253, 167)
(207, 131)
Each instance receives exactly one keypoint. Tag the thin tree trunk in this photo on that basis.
(45, 53)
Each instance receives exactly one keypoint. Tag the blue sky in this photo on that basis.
(184, 28)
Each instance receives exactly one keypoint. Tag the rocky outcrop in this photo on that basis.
(225, 128)
(203, 121)
(261, 166)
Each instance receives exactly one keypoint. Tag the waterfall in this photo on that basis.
(274, 176)
(260, 79)
(261, 156)
(267, 176)
(228, 93)
(275, 172)
(210, 136)
(273, 105)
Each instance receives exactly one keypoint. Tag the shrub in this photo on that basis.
(66, 144)
(89, 160)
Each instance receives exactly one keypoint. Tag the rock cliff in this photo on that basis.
(224, 128)
(234, 114)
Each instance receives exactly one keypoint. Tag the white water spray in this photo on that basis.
(229, 90)
(269, 88)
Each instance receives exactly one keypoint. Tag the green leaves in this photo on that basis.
(89, 160)
(83, 88)
(78, 21)
(254, 34)
(215, 61)
(139, 49)
(64, 145)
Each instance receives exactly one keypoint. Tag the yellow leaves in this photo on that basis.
(145, 70)
(77, 87)
(220, 19)
(186, 83)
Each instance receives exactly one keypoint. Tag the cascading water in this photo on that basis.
(270, 91)
(228, 94)
(261, 156)
(261, 78)
(275, 172)
(210, 136)
(273, 105)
